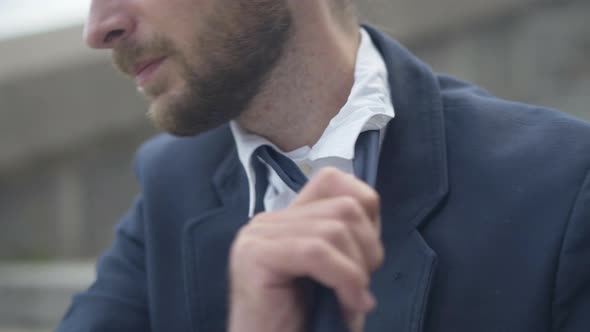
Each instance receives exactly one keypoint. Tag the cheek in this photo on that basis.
(176, 19)
(186, 16)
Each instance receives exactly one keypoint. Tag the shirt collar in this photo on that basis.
(368, 107)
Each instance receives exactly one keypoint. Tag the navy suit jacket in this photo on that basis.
(485, 211)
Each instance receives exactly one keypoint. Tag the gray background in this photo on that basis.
(70, 126)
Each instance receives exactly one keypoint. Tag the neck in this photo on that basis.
(307, 88)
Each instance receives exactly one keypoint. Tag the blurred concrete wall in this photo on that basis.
(70, 124)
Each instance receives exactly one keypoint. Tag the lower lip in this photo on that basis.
(143, 77)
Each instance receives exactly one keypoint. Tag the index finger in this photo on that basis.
(331, 182)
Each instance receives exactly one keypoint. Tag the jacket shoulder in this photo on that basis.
(542, 151)
(470, 110)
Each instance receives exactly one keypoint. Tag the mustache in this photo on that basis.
(126, 56)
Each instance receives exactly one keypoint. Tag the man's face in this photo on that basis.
(199, 62)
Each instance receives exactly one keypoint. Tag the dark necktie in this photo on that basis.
(325, 313)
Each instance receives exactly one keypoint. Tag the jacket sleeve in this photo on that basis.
(117, 300)
(572, 293)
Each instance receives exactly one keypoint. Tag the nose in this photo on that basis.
(109, 22)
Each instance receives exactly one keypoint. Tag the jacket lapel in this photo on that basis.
(412, 182)
(206, 245)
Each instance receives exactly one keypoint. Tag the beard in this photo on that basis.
(229, 62)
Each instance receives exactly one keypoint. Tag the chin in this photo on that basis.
(169, 113)
(160, 112)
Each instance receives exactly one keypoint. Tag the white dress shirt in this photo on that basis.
(369, 107)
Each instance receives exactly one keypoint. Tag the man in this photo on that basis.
(479, 221)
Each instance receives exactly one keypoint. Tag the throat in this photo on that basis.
(307, 88)
(294, 125)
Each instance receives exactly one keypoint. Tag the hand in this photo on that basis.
(330, 233)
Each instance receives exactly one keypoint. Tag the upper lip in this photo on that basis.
(142, 65)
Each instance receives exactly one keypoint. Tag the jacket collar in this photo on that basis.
(413, 164)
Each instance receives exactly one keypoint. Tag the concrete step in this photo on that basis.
(35, 296)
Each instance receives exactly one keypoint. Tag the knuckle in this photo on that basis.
(349, 208)
(379, 257)
(357, 279)
(247, 232)
(328, 175)
(313, 250)
(242, 235)
(245, 246)
(333, 231)
(260, 218)
(373, 236)
(372, 200)
(375, 252)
